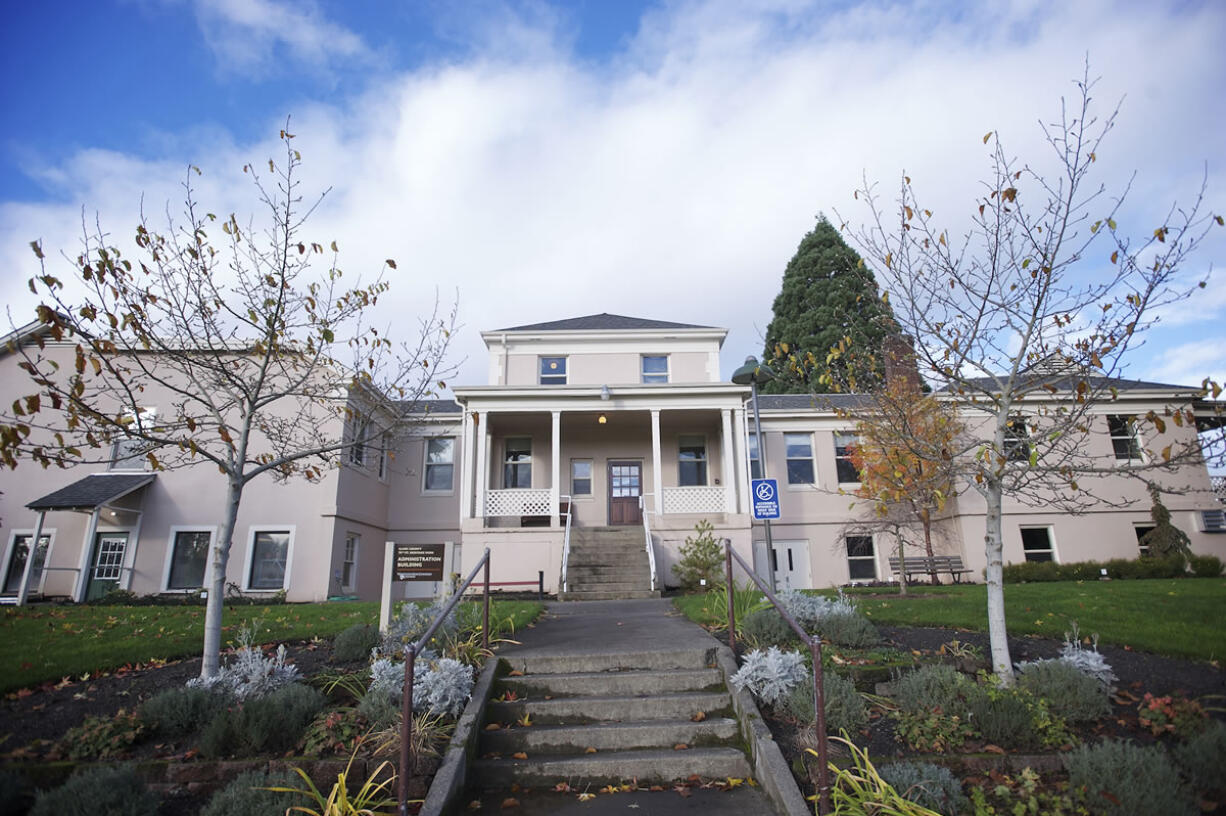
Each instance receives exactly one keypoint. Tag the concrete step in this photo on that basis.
(646, 766)
(625, 571)
(580, 594)
(576, 739)
(613, 682)
(597, 661)
(605, 586)
(579, 710)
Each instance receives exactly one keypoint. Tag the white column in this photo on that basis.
(555, 478)
(86, 551)
(385, 596)
(129, 554)
(657, 476)
(468, 438)
(483, 461)
(742, 460)
(726, 456)
(23, 591)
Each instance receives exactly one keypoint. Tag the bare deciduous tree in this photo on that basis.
(261, 360)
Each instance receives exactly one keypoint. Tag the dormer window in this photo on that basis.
(655, 369)
(553, 371)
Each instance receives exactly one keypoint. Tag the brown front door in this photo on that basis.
(625, 488)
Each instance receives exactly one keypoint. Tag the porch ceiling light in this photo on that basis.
(602, 419)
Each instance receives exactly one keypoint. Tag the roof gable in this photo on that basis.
(603, 322)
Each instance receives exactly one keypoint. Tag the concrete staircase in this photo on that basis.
(599, 719)
(608, 563)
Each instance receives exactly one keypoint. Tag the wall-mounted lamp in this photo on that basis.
(602, 419)
(604, 392)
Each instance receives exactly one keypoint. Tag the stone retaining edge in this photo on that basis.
(771, 769)
(453, 773)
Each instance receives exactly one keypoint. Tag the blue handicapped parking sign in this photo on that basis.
(765, 499)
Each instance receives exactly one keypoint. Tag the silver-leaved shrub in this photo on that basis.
(771, 675)
(250, 673)
(410, 623)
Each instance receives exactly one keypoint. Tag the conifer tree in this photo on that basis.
(828, 295)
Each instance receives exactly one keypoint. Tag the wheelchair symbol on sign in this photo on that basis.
(765, 492)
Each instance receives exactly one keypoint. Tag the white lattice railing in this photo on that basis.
(694, 500)
(518, 502)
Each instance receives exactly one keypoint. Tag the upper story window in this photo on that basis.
(1017, 440)
(799, 447)
(755, 459)
(553, 371)
(517, 464)
(128, 451)
(440, 464)
(655, 369)
(359, 438)
(843, 443)
(1124, 437)
(691, 460)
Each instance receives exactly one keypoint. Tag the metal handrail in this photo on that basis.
(410, 664)
(815, 650)
(570, 511)
(651, 551)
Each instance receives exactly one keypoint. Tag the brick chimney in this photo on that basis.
(899, 353)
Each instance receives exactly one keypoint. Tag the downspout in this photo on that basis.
(505, 363)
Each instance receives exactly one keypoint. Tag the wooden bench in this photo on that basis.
(923, 565)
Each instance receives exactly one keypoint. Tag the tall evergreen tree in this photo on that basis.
(828, 295)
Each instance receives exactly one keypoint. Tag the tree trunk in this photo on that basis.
(211, 655)
(1002, 663)
(902, 573)
(926, 521)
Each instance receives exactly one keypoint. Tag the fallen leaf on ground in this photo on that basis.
(589, 750)
(684, 791)
(993, 749)
(515, 673)
(699, 717)
(681, 746)
(510, 802)
(474, 804)
(586, 797)
(492, 727)
(519, 755)
(562, 787)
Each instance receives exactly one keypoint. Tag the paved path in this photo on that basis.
(579, 636)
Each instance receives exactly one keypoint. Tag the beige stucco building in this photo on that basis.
(595, 426)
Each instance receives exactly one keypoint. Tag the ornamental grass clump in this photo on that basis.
(1124, 779)
(771, 675)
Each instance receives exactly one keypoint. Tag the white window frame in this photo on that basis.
(355, 453)
(1014, 441)
(845, 457)
(168, 560)
(644, 374)
(706, 458)
(252, 531)
(1051, 540)
(143, 416)
(541, 375)
(1137, 526)
(383, 454)
(591, 478)
(787, 475)
(873, 558)
(356, 540)
(426, 464)
(752, 446)
(1134, 438)
(530, 461)
(49, 532)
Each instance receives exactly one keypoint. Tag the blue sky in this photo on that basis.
(538, 160)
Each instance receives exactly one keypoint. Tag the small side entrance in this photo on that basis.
(106, 564)
(625, 488)
(790, 563)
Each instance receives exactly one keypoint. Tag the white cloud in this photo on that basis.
(1190, 363)
(251, 34)
(675, 180)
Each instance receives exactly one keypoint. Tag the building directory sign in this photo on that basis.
(765, 499)
(418, 562)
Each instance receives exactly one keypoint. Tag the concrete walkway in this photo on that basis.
(623, 640)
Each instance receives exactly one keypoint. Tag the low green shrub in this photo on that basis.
(355, 643)
(930, 687)
(270, 724)
(102, 737)
(1070, 693)
(933, 730)
(1206, 566)
(1117, 569)
(246, 795)
(1203, 757)
(1124, 779)
(851, 630)
(181, 711)
(1004, 717)
(932, 786)
(845, 709)
(764, 628)
(336, 731)
(98, 792)
(13, 797)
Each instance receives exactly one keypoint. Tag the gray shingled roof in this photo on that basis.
(811, 402)
(434, 406)
(602, 322)
(1069, 382)
(92, 491)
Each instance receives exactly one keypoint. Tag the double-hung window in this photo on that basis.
(359, 434)
(691, 460)
(269, 556)
(17, 563)
(799, 448)
(861, 558)
(440, 464)
(655, 369)
(1036, 544)
(189, 559)
(349, 564)
(581, 477)
(128, 450)
(755, 458)
(1124, 437)
(517, 464)
(1017, 440)
(553, 371)
(843, 465)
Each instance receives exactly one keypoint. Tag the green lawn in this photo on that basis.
(1181, 617)
(47, 643)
